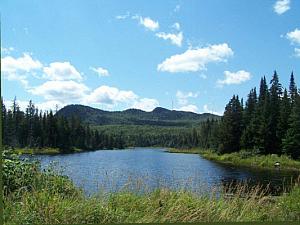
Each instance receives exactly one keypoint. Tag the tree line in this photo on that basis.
(269, 123)
(36, 129)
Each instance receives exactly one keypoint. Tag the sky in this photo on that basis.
(114, 55)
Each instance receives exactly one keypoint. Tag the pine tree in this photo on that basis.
(247, 139)
(292, 89)
(231, 126)
(291, 144)
(285, 111)
(273, 138)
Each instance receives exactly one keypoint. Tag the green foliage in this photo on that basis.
(231, 126)
(252, 159)
(17, 174)
(291, 143)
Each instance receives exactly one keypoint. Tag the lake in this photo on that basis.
(145, 169)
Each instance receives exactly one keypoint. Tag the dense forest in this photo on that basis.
(269, 123)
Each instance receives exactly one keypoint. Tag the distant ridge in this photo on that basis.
(159, 116)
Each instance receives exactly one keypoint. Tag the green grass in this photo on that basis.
(244, 158)
(46, 207)
(185, 151)
(41, 151)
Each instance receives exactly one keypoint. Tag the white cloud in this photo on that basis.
(7, 50)
(50, 105)
(148, 23)
(61, 91)
(194, 60)
(175, 39)
(110, 96)
(189, 108)
(18, 68)
(22, 104)
(146, 104)
(281, 6)
(182, 97)
(44, 106)
(62, 71)
(294, 36)
(176, 26)
(177, 8)
(207, 110)
(100, 71)
(123, 17)
(297, 52)
(235, 77)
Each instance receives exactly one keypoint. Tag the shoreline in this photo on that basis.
(239, 159)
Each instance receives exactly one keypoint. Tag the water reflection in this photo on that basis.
(147, 169)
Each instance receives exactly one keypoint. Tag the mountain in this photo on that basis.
(159, 116)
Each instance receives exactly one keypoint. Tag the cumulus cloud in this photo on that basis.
(207, 110)
(22, 104)
(194, 60)
(18, 68)
(182, 97)
(176, 26)
(61, 91)
(294, 36)
(44, 106)
(146, 104)
(281, 6)
(62, 71)
(188, 108)
(148, 23)
(175, 39)
(110, 96)
(123, 17)
(177, 8)
(234, 77)
(297, 52)
(100, 71)
(7, 50)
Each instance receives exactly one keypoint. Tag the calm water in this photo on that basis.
(143, 169)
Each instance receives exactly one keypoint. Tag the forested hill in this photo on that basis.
(159, 116)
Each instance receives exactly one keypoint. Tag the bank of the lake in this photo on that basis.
(44, 151)
(244, 158)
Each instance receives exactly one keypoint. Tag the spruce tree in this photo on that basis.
(291, 144)
(231, 126)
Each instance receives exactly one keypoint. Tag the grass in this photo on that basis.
(41, 151)
(245, 158)
(32, 197)
(45, 207)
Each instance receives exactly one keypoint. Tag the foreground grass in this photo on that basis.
(244, 158)
(45, 207)
(32, 197)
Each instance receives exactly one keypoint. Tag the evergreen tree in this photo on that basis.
(292, 89)
(247, 139)
(285, 111)
(291, 144)
(273, 138)
(231, 126)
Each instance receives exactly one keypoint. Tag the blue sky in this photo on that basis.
(115, 55)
